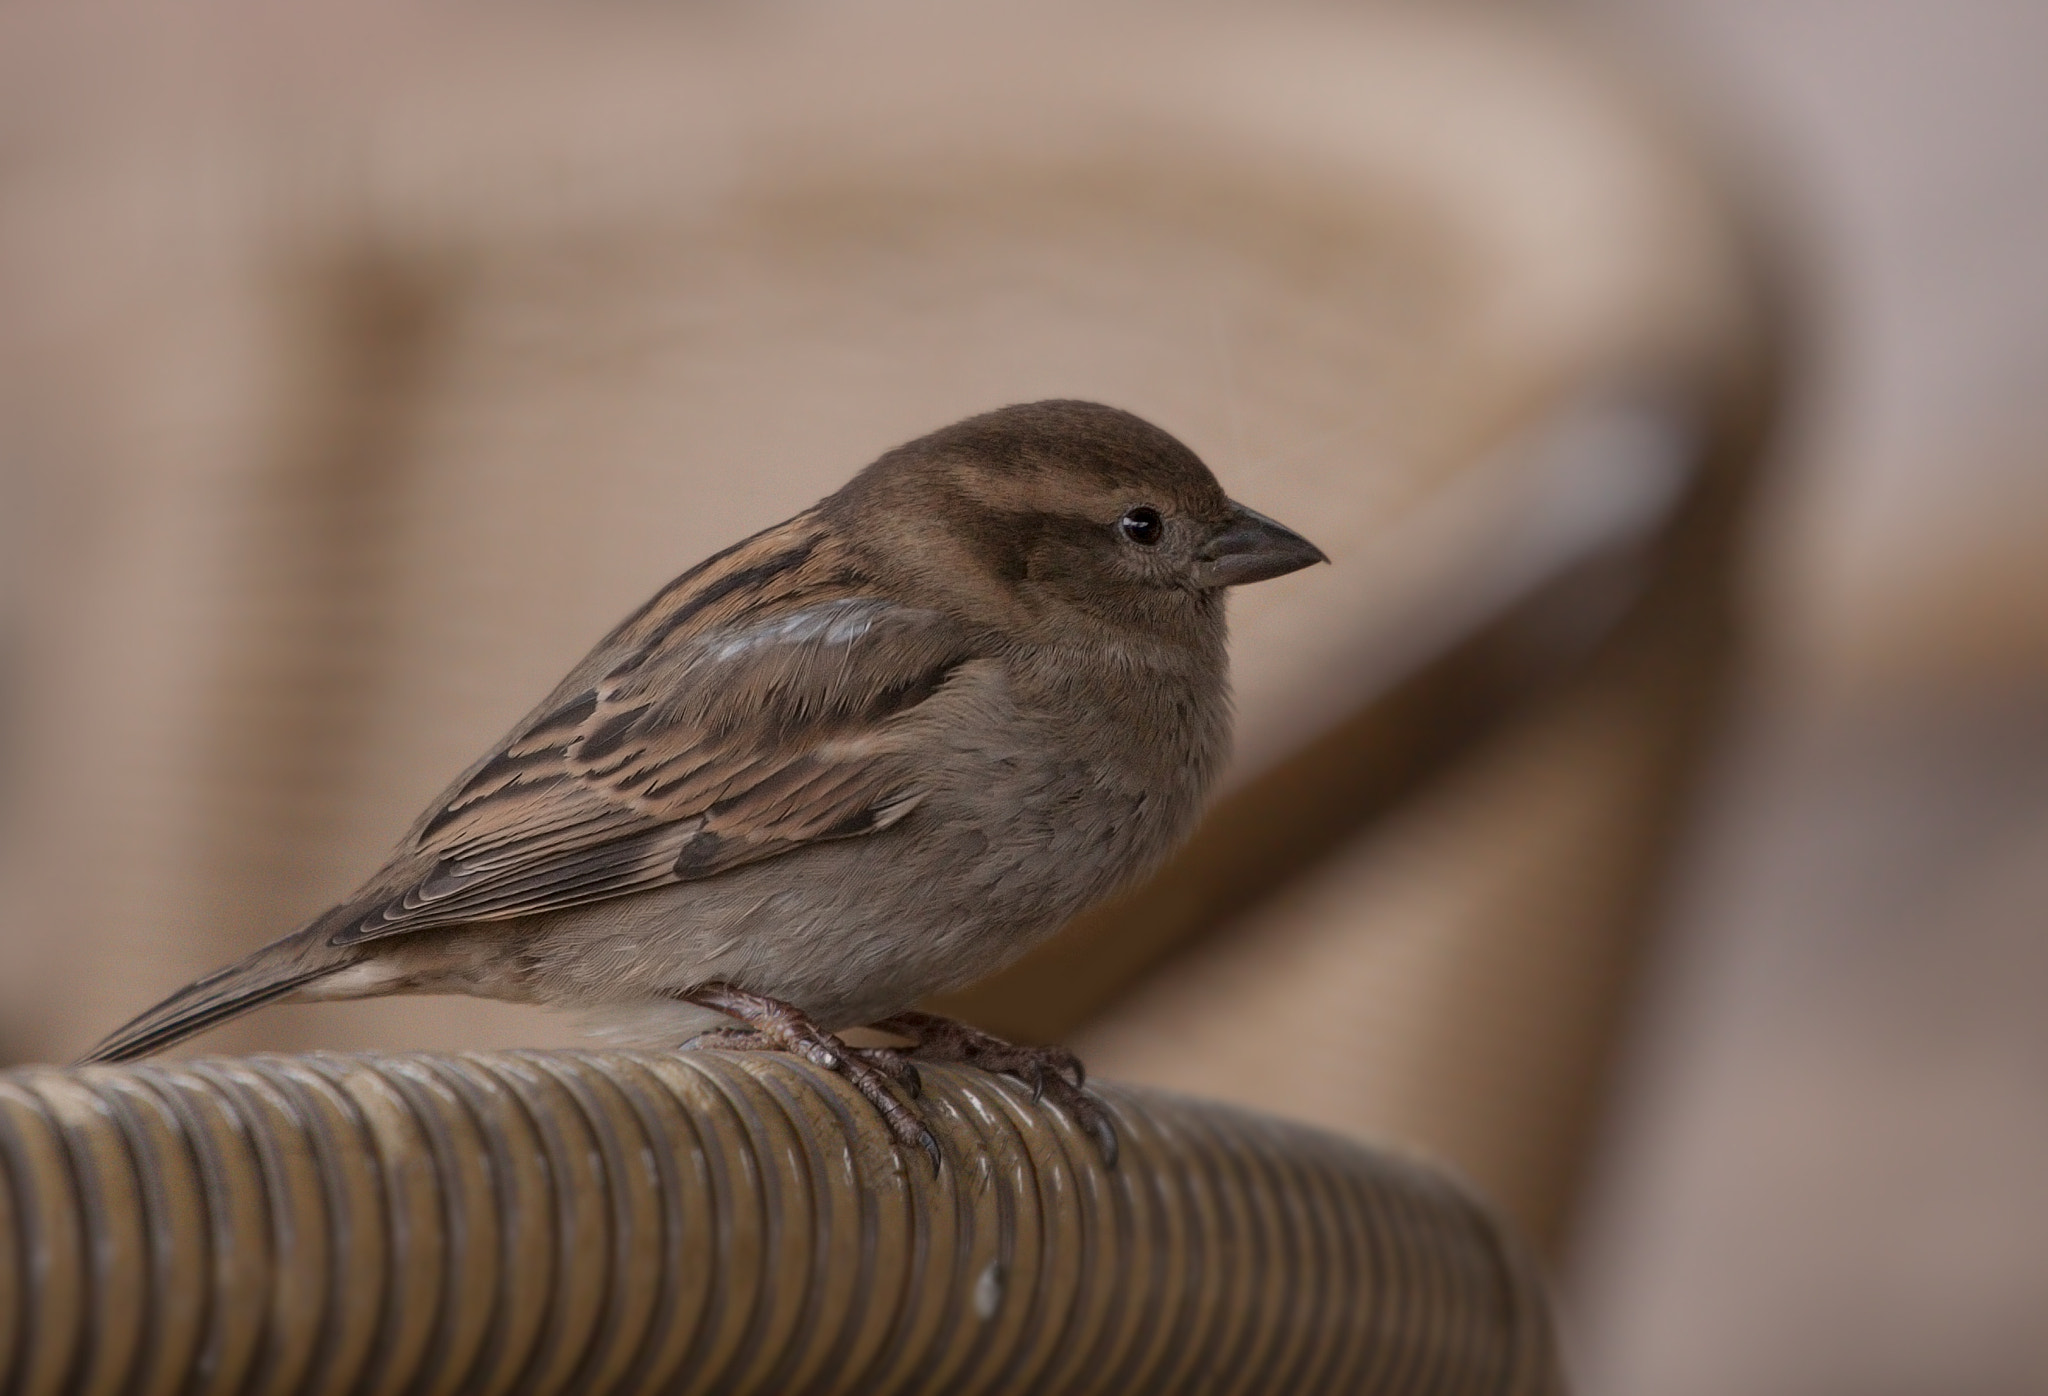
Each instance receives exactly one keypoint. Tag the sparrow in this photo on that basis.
(868, 755)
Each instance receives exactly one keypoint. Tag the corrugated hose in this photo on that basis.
(553, 1222)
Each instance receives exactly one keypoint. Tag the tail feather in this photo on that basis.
(261, 978)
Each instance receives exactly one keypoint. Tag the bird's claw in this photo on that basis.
(894, 1065)
(1104, 1134)
(1048, 1072)
(777, 1026)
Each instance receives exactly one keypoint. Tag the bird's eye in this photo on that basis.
(1142, 526)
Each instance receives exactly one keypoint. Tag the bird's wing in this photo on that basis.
(696, 749)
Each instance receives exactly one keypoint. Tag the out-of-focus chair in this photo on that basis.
(364, 366)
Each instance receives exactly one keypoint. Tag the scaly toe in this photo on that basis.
(1087, 1112)
(894, 1065)
(773, 1024)
(901, 1120)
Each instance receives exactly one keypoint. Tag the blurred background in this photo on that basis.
(1647, 814)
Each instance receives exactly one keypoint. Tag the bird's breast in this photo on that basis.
(1086, 773)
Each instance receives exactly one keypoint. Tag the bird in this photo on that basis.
(870, 754)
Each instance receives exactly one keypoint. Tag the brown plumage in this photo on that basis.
(869, 754)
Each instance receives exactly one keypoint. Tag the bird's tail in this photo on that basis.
(262, 977)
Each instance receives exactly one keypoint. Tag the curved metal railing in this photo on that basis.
(546, 1222)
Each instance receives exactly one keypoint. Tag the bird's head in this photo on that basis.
(1056, 519)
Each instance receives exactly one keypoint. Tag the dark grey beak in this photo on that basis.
(1252, 548)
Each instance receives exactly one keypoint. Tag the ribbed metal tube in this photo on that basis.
(545, 1222)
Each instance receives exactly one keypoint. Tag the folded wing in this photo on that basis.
(696, 752)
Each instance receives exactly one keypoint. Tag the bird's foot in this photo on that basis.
(1053, 1073)
(887, 1060)
(773, 1025)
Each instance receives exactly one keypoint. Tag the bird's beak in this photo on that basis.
(1252, 548)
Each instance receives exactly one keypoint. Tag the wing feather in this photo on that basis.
(683, 748)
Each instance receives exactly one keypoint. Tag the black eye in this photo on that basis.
(1142, 526)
